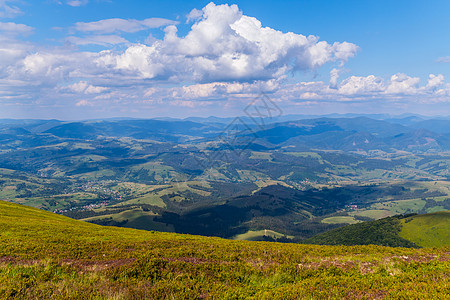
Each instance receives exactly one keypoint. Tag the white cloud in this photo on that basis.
(402, 84)
(444, 59)
(78, 87)
(12, 51)
(95, 89)
(103, 40)
(399, 87)
(199, 90)
(14, 28)
(310, 95)
(77, 2)
(194, 15)
(8, 10)
(83, 102)
(225, 45)
(356, 85)
(43, 69)
(434, 81)
(334, 75)
(8, 54)
(222, 89)
(83, 87)
(344, 51)
(44, 64)
(122, 25)
(134, 61)
(185, 103)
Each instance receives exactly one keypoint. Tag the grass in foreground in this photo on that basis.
(43, 255)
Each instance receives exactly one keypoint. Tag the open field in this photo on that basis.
(340, 220)
(373, 213)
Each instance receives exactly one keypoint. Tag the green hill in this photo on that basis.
(43, 256)
(428, 230)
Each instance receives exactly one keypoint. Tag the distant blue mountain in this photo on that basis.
(360, 133)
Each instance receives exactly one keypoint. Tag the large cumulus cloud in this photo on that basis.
(225, 45)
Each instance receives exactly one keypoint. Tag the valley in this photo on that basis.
(204, 178)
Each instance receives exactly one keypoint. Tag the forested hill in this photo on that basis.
(428, 230)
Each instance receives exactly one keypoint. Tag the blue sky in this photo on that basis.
(80, 59)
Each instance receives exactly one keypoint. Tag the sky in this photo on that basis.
(88, 59)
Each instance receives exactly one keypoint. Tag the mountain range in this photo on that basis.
(348, 134)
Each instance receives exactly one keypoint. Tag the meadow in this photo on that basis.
(44, 255)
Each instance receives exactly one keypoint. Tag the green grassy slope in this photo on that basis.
(43, 255)
(430, 230)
